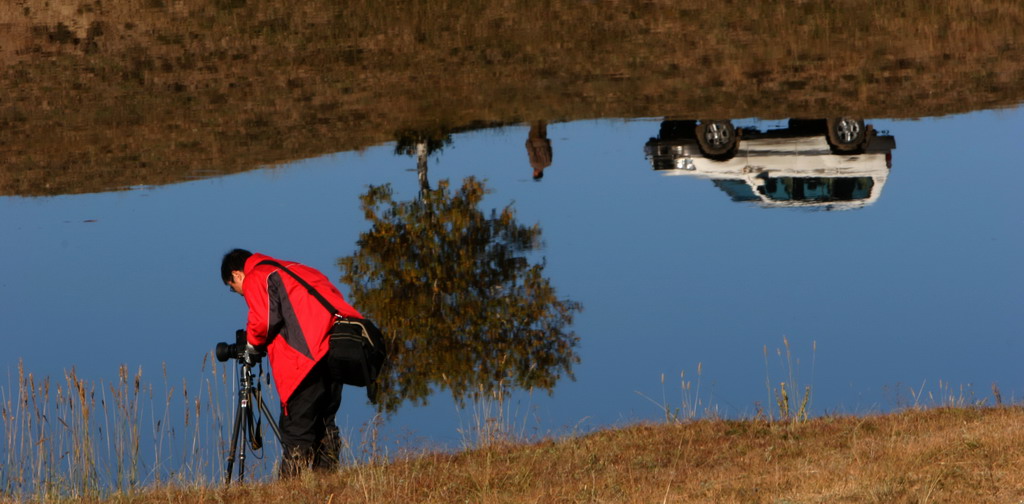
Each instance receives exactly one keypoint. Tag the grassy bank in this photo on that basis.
(105, 95)
(76, 441)
(938, 455)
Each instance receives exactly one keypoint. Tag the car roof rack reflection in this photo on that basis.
(837, 163)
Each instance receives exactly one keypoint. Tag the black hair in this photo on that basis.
(233, 261)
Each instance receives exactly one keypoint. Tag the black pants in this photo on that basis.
(309, 436)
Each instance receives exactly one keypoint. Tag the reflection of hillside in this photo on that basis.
(113, 94)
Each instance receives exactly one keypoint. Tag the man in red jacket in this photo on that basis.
(294, 326)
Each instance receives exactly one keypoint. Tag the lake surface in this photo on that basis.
(913, 298)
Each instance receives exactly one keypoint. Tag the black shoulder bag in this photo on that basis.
(357, 351)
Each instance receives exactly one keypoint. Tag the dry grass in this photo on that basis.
(73, 438)
(84, 447)
(102, 95)
(950, 455)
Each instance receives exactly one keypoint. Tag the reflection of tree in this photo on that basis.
(462, 307)
(422, 143)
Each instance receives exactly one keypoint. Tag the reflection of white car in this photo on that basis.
(835, 164)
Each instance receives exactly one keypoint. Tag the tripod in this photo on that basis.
(248, 393)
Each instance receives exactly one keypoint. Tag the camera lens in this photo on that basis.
(225, 351)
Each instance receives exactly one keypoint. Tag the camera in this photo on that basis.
(237, 350)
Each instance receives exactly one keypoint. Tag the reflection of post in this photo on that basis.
(421, 165)
(538, 147)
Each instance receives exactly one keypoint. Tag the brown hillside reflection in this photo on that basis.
(463, 308)
(105, 95)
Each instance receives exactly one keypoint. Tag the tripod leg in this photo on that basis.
(233, 446)
(266, 412)
(247, 418)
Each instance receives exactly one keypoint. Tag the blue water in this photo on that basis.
(914, 299)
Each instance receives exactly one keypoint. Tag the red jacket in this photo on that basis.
(290, 321)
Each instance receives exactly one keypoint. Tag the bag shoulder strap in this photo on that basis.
(305, 284)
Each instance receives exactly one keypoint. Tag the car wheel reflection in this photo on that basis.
(717, 139)
(846, 134)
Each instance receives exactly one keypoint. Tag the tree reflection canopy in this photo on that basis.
(461, 305)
